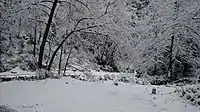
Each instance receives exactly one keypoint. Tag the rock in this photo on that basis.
(116, 83)
(154, 91)
(198, 102)
(187, 96)
(192, 99)
(194, 90)
(13, 72)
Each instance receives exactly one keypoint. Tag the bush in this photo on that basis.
(182, 68)
(4, 108)
(43, 74)
(190, 94)
(28, 62)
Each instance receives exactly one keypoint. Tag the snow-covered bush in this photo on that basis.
(4, 108)
(157, 80)
(105, 76)
(9, 63)
(131, 78)
(43, 74)
(24, 61)
(28, 62)
(190, 93)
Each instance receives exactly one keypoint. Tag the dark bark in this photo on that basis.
(40, 35)
(35, 39)
(155, 69)
(49, 52)
(170, 57)
(20, 24)
(67, 61)
(42, 46)
(59, 46)
(155, 65)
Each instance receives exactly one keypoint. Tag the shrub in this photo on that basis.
(4, 108)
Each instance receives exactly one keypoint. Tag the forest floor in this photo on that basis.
(71, 95)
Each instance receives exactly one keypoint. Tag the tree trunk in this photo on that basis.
(59, 46)
(20, 24)
(155, 65)
(35, 39)
(42, 46)
(40, 35)
(103, 53)
(49, 52)
(61, 52)
(67, 61)
(170, 58)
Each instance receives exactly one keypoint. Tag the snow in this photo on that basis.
(70, 95)
(17, 72)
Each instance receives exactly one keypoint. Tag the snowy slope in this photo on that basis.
(69, 95)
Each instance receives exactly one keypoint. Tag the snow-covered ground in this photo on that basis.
(17, 72)
(84, 75)
(70, 95)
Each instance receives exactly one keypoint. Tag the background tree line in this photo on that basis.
(158, 38)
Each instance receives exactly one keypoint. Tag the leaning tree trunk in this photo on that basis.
(42, 46)
(59, 46)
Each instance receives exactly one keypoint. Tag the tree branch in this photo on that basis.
(44, 11)
(38, 20)
(193, 30)
(106, 10)
(76, 25)
(84, 5)
(44, 1)
(89, 27)
(43, 6)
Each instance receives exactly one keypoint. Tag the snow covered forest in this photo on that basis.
(113, 53)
